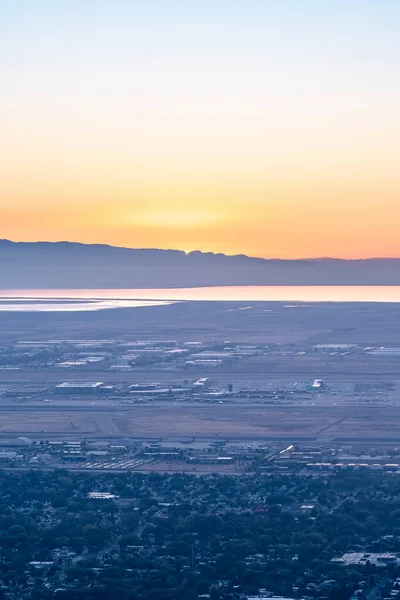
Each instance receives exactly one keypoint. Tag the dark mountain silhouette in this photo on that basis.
(73, 265)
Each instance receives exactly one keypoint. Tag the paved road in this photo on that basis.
(106, 425)
(375, 593)
(334, 509)
(99, 407)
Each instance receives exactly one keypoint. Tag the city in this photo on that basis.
(199, 300)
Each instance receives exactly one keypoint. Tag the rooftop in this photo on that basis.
(80, 384)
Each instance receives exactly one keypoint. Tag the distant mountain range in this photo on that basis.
(73, 265)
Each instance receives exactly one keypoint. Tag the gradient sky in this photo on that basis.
(265, 127)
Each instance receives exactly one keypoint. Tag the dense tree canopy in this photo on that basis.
(180, 536)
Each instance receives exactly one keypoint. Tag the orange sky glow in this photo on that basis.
(256, 127)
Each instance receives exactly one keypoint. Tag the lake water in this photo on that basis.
(54, 304)
(102, 299)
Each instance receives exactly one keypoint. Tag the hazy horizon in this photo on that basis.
(195, 250)
(100, 299)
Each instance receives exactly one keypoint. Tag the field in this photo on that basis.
(38, 422)
(264, 423)
(236, 423)
(264, 322)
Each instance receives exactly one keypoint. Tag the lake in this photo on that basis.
(103, 299)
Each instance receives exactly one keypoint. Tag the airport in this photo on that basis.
(297, 385)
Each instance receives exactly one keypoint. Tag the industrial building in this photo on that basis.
(86, 387)
(209, 355)
(101, 496)
(211, 460)
(334, 348)
(379, 559)
(385, 352)
(204, 363)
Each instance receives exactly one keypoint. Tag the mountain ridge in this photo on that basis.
(67, 243)
(77, 265)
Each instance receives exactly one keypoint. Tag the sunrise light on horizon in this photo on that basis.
(246, 127)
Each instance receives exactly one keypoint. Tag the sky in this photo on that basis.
(264, 127)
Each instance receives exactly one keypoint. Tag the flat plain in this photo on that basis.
(261, 322)
(287, 330)
(219, 422)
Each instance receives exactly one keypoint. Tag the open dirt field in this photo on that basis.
(264, 322)
(173, 422)
(231, 421)
(257, 423)
(25, 423)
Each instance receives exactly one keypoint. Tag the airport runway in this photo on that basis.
(106, 424)
(55, 376)
(22, 407)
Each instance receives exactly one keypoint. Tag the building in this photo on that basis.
(101, 496)
(204, 363)
(77, 387)
(41, 564)
(143, 387)
(209, 355)
(334, 348)
(385, 352)
(379, 559)
(211, 460)
(73, 456)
